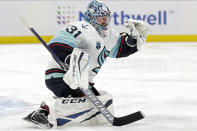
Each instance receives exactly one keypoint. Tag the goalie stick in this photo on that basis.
(115, 121)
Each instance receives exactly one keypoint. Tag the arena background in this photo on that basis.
(171, 20)
(160, 80)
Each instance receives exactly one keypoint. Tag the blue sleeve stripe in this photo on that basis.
(59, 40)
(54, 75)
(60, 44)
(64, 37)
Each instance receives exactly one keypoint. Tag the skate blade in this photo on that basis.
(38, 125)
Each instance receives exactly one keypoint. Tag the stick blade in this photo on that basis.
(120, 121)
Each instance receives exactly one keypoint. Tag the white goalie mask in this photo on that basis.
(99, 15)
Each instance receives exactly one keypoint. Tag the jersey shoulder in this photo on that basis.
(82, 26)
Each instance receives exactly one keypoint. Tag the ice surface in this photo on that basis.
(160, 80)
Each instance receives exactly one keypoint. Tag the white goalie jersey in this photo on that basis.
(84, 36)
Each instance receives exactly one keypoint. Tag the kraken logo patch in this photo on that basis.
(101, 59)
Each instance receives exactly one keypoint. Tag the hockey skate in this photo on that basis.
(39, 117)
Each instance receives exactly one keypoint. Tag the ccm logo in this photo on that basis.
(74, 100)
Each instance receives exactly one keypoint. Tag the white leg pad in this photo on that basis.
(79, 111)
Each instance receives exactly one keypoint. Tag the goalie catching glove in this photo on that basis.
(139, 31)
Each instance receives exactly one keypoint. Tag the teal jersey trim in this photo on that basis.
(54, 75)
(114, 50)
(64, 38)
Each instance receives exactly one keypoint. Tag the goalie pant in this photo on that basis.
(78, 111)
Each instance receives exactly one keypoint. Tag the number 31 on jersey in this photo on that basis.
(73, 30)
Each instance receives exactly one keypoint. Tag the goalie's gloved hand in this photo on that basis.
(77, 93)
(130, 40)
(138, 30)
(138, 27)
